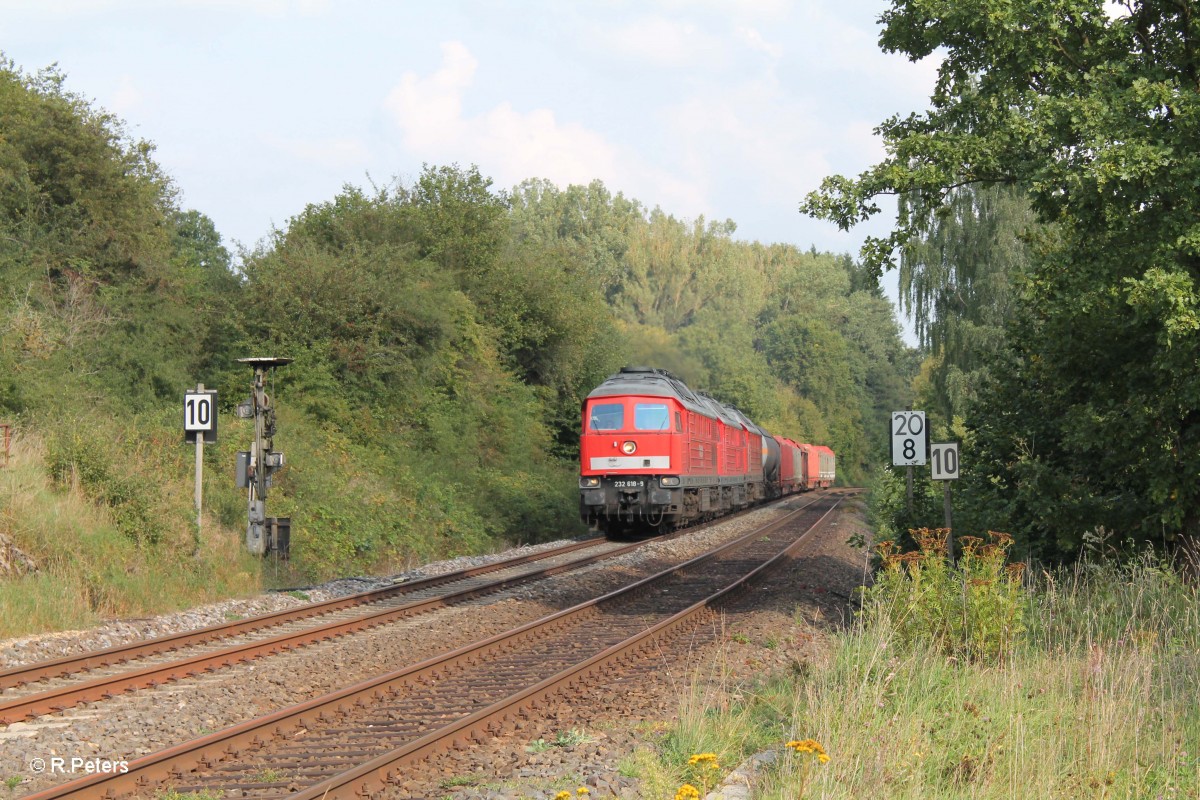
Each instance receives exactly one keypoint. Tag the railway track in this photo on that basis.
(47, 687)
(358, 739)
(36, 689)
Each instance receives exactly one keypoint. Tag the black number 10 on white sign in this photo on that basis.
(945, 461)
(197, 412)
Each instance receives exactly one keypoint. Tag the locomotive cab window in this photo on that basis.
(651, 417)
(607, 417)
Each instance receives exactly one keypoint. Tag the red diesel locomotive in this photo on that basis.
(654, 455)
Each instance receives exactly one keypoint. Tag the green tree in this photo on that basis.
(957, 282)
(589, 225)
(447, 357)
(1095, 415)
(110, 290)
(674, 269)
(459, 219)
(737, 373)
(880, 362)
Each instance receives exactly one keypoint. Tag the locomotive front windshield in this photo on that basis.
(651, 417)
(607, 417)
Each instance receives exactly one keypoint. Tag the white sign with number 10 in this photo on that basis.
(908, 438)
(944, 461)
(198, 411)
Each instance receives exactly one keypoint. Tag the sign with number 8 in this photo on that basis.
(910, 438)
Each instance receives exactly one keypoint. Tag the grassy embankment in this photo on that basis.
(96, 559)
(1078, 683)
(104, 506)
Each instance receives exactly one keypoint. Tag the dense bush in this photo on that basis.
(971, 608)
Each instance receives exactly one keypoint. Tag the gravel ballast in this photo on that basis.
(585, 742)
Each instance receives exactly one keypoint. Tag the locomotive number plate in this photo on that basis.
(628, 484)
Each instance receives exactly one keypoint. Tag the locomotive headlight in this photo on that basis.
(589, 483)
(668, 481)
(628, 448)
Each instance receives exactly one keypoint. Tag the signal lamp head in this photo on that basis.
(589, 482)
(668, 481)
(629, 448)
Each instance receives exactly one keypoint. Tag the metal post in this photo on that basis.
(946, 503)
(199, 482)
(263, 458)
(909, 483)
(256, 534)
(910, 490)
(949, 521)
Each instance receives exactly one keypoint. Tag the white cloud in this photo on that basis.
(269, 8)
(429, 110)
(758, 8)
(860, 138)
(752, 136)
(847, 46)
(511, 145)
(74, 9)
(535, 143)
(755, 41)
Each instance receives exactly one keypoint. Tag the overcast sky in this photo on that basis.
(723, 108)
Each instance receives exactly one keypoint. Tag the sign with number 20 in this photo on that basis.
(909, 438)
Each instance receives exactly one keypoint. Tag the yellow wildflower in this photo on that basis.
(563, 795)
(583, 791)
(687, 792)
(809, 746)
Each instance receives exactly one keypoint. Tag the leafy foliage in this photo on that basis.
(80, 455)
(444, 334)
(1091, 418)
(110, 289)
(958, 281)
(971, 609)
(722, 314)
(441, 352)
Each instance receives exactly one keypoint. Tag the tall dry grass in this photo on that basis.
(88, 570)
(1097, 699)
(1095, 696)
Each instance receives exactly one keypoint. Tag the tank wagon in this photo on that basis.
(656, 455)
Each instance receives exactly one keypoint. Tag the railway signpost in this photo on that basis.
(910, 440)
(943, 466)
(200, 427)
(943, 460)
(256, 466)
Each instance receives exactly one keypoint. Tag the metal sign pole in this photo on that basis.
(256, 534)
(945, 464)
(949, 521)
(199, 426)
(199, 484)
(909, 493)
(946, 503)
